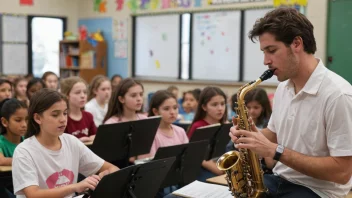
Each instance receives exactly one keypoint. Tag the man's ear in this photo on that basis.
(297, 44)
(37, 118)
(4, 122)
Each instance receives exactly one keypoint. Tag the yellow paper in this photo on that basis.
(154, 4)
(157, 64)
(302, 2)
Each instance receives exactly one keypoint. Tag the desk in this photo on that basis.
(88, 143)
(218, 180)
(221, 181)
(5, 168)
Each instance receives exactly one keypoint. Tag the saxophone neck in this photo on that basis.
(245, 89)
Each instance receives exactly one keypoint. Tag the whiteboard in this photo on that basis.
(157, 44)
(14, 28)
(216, 45)
(14, 59)
(253, 61)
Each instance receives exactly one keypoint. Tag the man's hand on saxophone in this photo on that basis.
(253, 140)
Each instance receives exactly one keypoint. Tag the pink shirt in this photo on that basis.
(115, 119)
(162, 140)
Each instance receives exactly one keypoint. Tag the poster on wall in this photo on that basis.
(120, 32)
(135, 5)
(299, 5)
(26, 2)
(220, 2)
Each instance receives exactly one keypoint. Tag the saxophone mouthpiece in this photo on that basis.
(267, 74)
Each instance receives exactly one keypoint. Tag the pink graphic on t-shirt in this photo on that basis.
(58, 179)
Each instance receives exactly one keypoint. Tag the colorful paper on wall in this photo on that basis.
(165, 4)
(119, 4)
(133, 5)
(219, 2)
(96, 5)
(144, 4)
(120, 32)
(278, 3)
(26, 2)
(99, 6)
(197, 3)
(154, 4)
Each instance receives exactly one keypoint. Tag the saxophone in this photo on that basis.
(244, 175)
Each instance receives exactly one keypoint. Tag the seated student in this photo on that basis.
(80, 123)
(174, 90)
(33, 86)
(164, 104)
(13, 126)
(126, 102)
(5, 89)
(47, 163)
(20, 89)
(189, 105)
(211, 110)
(98, 97)
(51, 80)
(231, 107)
(115, 80)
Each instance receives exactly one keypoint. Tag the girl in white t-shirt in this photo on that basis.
(47, 163)
(98, 97)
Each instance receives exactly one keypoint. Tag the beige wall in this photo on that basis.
(316, 12)
(62, 8)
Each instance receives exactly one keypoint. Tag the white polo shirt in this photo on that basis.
(317, 121)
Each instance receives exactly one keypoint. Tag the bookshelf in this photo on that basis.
(80, 58)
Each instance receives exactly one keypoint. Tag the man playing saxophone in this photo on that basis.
(310, 130)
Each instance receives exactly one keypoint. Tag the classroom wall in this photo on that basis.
(316, 12)
(61, 8)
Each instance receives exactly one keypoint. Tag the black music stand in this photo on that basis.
(136, 181)
(189, 158)
(116, 143)
(218, 136)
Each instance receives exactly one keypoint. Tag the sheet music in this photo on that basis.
(200, 189)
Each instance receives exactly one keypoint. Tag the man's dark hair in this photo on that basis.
(286, 24)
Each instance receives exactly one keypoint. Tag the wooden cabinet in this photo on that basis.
(83, 59)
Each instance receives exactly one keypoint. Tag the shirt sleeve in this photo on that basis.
(89, 162)
(338, 126)
(24, 172)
